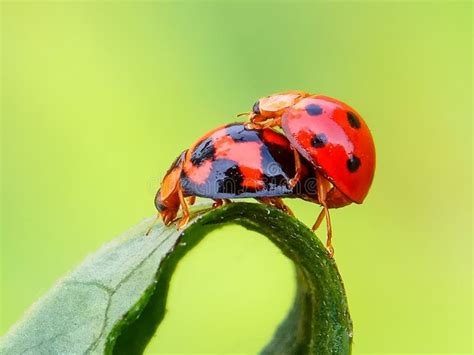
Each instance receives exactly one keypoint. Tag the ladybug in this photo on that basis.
(234, 161)
(329, 134)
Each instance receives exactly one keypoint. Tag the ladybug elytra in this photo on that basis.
(235, 162)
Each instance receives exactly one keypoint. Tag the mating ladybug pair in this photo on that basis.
(325, 155)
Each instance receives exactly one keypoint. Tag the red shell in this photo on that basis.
(336, 140)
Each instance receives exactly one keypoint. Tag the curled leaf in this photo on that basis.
(115, 300)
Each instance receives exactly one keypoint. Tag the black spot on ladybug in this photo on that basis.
(256, 107)
(204, 151)
(353, 120)
(231, 181)
(319, 140)
(277, 167)
(353, 163)
(314, 110)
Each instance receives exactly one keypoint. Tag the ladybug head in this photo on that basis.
(274, 105)
(160, 206)
(168, 209)
(167, 198)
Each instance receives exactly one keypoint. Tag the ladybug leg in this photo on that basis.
(217, 203)
(272, 122)
(318, 221)
(292, 183)
(269, 123)
(329, 232)
(255, 121)
(252, 125)
(276, 202)
(191, 200)
(323, 187)
(264, 200)
(184, 206)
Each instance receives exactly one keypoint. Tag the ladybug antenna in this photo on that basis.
(250, 115)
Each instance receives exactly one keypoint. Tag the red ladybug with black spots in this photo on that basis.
(329, 134)
(235, 162)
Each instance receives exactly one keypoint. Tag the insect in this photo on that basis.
(329, 134)
(235, 162)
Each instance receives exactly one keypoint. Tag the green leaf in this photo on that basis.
(114, 301)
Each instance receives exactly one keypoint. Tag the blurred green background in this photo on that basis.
(99, 98)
